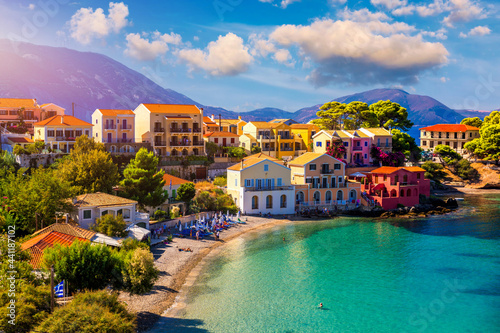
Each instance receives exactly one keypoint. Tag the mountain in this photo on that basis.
(90, 80)
(472, 113)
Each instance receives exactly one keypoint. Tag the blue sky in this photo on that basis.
(288, 54)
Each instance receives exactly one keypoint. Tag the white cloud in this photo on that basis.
(337, 2)
(363, 15)
(225, 57)
(87, 24)
(439, 34)
(142, 49)
(283, 4)
(444, 79)
(435, 8)
(477, 31)
(31, 6)
(263, 47)
(403, 11)
(196, 38)
(463, 11)
(389, 4)
(361, 52)
(171, 38)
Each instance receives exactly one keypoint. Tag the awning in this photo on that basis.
(357, 174)
(380, 186)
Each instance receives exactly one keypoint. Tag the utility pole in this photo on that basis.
(51, 288)
(73, 109)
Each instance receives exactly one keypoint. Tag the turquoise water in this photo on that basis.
(439, 274)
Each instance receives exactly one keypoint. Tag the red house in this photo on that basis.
(390, 186)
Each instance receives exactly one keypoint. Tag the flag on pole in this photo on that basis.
(59, 289)
(170, 187)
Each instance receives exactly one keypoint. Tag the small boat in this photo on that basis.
(459, 199)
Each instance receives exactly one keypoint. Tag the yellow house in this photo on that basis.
(60, 132)
(233, 125)
(261, 186)
(171, 129)
(320, 180)
(305, 133)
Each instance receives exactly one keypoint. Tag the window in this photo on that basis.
(340, 180)
(280, 181)
(328, 143)
(87, 214)
(366, 155)
(97, 121)
(269, 201)
(385, 178)
(340, 195)
(328, 197)
(336, 166)
(418, 175)
(266, 167)
(283, 201)
(366, 143)
(317, 197)
(232, 140)
(424, 143)
(387, 142)
(318, 144)
(358, 143)
(470, 135)
(236, 182)
(216, 140)
(87, 132)
(346, 144)
(312, 167)
(50, 133)
(97, 135)
(248, 183)
(255, 202)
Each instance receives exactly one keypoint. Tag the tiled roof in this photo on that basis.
(251, 137)
(388, 170)
(220, 134)
(175, 180)
(28, 103)
(260, 124)
(66, 121)
(110, 112)
(303, 126)
(262, 156)
(357, 133)
(21, 139)
(101, 199)
(229, 121)
(39, 243)
(377, 131)
(246, 163)
(339, 133)
(208, 121)
(67, 229)
(43, 106)
(305, 158)
(173, 108)
(449, 128)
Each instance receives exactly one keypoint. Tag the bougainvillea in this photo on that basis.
(387, 159)
(337, 150)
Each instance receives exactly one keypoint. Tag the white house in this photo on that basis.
(89, 207)
(260, 185)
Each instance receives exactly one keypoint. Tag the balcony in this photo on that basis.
(118, 140)
(383, 145)
(159, 129)
(286, 149)
(180, 130)
(197, 130)
(159, 143)
(59, 138)
(109, 127)
(125, 127)
(357, 148)
(326, 172)
(180, 144)
(268, 149)
(265, 137)
(268, 188)
(199, 143)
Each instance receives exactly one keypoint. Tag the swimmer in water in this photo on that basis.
(321, 305)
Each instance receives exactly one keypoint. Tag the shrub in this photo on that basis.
(90, 312)
(175, 212)
(131, 244)
(111, 226)
(160, 215)
(465, 171)
(220, 181)
(139, 273)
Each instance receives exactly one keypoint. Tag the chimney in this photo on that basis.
(201, 109)
(241, 164)
(62, 119)
(212, 117)
(239, 117)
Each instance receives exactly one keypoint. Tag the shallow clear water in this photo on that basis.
(438, 274)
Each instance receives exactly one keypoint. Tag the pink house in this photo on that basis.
(390, 186)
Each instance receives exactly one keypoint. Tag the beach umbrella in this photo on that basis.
(186, 225)
(180, 227)
(227, 213)
(238, 214)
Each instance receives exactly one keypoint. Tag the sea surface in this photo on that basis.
(435, 274)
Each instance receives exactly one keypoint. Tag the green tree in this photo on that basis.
(330, 116)
(359, 115)
(465, 171)
(90, 312)
(84, 265)
(391, 115)
(255, 150)
(211, 148)
(220, 181)
(186, 192)
(447, 154)
(404, 143)
(476, 122)
(238, 152)
(35, 199)
(139, 271)
(143, 181)
(8, 161)
(89, 167)
(111, 226)
(434, 171)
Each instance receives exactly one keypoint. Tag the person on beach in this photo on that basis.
(217, 235)
(283, 239)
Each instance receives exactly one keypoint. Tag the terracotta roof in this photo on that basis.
(449, 128)
(251, 137)
(305, 158)
(39, 243)
(307, 126)
(66, 121)
(28, 103)
(377, 131)
(48, 104)
(175, 180)
(388, 170)
(67, 229)
(220, 134)
(246, 163)
(230, 121)
(173, 108)
(260, 124)
(262, 156)
(21, 139)
(110, 112)
(101, 199)
(208, 121)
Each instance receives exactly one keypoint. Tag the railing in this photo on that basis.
(65, 139)
(180, 144)
(357, 148)
(265, 137)
(318, 186)
(117, 140)
(268, 188)
(180, 130)
(200, 143)
(160, 143)
(286, 149)
(383, 145)
(110, 127)
(326, 172)
(159, 129)
(125, 127)
(197, 130)
(323, 203)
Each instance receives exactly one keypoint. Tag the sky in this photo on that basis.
(289, 54)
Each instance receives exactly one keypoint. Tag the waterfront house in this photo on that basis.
(88, 207)
(261, 186)
(320, 180)
(170, 189)
(454, 136)
(389, 187)
(171, 129)
(60, 132)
